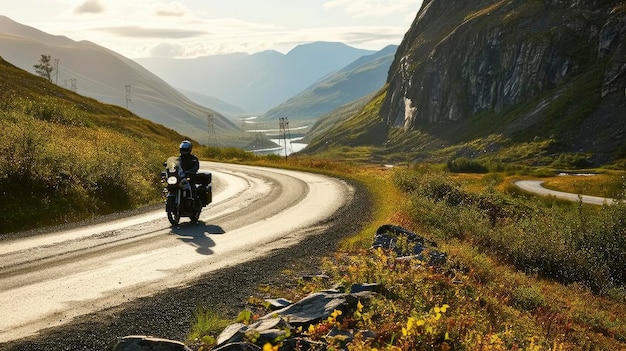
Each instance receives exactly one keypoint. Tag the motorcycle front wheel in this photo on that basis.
(173, 213)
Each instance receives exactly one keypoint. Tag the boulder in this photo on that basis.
(312, 309)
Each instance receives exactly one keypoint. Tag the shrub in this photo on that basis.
(57, 171)
(527, 298)
(465, 165)
(567, 242)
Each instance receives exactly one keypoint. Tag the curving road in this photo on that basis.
(534, 186)
(47, 280)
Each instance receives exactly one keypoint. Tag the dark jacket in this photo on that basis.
(189, 163)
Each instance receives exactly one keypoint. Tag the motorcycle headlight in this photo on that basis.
(172, 180)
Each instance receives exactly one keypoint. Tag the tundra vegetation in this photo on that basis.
(523, 272)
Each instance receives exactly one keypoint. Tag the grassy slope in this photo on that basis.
(67, 157)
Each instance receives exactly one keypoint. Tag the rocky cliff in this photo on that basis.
(559, 65)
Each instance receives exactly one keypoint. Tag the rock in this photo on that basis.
(265, 329)
(387, 237)
(278, 303)
(367, 287)
(312, 308)
(146, 343)
(275, 325)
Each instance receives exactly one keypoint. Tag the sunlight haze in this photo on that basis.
(192, 28)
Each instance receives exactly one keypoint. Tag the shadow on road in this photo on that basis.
(196, 234)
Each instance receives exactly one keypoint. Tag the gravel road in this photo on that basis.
(169, 314)
(535, 186)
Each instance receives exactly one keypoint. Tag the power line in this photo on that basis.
(72, 84)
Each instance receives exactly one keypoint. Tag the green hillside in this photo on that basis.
(66, 157)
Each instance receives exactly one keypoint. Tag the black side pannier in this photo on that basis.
(203, 178)
(205, 192)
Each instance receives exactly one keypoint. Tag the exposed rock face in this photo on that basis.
(463, 57)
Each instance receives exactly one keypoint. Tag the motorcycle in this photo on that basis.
(178, 194)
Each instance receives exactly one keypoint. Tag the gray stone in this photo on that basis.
(267, 329)
(312, 308)
(278, 303)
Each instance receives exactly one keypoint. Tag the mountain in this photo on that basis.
(360, 78)
(222, 107)
(97, 72)
(255, 82)
(328, 121)
(514, 71)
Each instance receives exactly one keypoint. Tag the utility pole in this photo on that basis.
(283, 125)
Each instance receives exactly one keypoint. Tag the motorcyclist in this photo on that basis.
(190, 165)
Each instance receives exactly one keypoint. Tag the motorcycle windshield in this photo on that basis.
(172, 162)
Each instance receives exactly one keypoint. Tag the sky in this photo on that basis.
(193, 28)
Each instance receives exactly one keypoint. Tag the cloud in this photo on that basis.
(140, 32)
(361, 37)
(173, 9)
(167, 50)
(89, 6)
(374, 8)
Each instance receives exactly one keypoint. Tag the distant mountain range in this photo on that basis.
(97, 72)
(354, 81)
(309, 81)
(255, 82)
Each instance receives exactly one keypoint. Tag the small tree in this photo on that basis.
(44, 67)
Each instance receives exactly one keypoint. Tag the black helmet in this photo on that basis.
(185, 147)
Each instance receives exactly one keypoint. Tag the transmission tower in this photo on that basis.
(73, 84)
(283, 127)
(129, 101)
